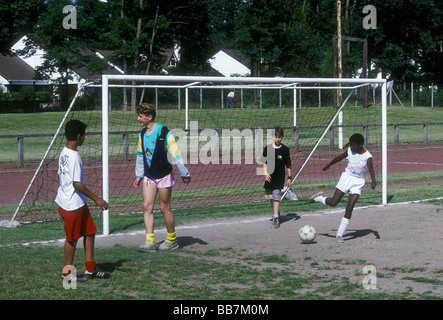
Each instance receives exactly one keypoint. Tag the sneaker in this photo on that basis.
(275, 223)
(340, 239)
(96, 274)
(74, 279)
(168, 246)
(147, 247)
(312, 199)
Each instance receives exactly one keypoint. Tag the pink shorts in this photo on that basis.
(165, 182)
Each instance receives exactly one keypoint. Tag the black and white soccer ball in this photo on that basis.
(307, 234)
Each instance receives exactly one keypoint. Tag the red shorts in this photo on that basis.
(77, 223)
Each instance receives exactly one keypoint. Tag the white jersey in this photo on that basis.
(357, 163)
(70, 170)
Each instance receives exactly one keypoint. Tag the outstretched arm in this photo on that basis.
(336, 159)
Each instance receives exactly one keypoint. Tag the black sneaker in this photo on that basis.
(80, 278)
(96, 274)
(275, 222)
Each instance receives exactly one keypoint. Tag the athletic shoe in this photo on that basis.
(275, 223)
(74, 279)
(147, 247)
(168, 246)
(340, 239)
(96, 274)
(312, 199)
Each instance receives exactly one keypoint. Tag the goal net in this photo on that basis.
(221, 143)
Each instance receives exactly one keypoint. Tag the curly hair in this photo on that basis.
(74, 128)
(146, 109)
(357, 138)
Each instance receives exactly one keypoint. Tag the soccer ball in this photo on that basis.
(307, 234)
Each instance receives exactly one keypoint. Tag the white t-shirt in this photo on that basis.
(357, 163)
(70, 169)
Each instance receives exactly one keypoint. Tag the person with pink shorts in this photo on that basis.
(154, 174)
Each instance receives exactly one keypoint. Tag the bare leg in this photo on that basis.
(338, 195)
(149, 194)
(164, 197)
(69, 249)
(275, 207)
(350, 206)
(89, 243)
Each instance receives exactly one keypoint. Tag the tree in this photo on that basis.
(16, 19)
(145, 28)
(407, 41)
(279, 38)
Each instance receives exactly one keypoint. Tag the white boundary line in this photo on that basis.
(223, 223)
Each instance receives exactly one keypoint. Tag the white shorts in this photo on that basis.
(350, 184)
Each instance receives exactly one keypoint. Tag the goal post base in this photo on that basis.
(9, 224)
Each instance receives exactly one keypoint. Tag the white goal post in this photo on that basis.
(186, 82)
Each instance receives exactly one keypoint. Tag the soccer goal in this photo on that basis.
(222, 143)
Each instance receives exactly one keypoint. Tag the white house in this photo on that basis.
(37, 59)
(225, 63)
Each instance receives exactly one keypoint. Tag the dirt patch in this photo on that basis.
(401, 241)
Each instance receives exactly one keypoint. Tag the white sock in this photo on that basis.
(320, 199)
(342, 228)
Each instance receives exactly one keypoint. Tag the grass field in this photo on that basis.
(31, 270)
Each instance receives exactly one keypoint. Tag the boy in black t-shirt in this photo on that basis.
(276, 157)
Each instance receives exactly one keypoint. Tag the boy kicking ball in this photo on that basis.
(351, 181)
(72, 196)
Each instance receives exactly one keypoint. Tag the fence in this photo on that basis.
(125, 136)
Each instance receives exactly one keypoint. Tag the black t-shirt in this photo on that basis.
(281, 159)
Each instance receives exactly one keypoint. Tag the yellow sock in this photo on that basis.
(150, 238)
(171, 237)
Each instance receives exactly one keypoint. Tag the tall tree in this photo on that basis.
(278, 37)
(16, 20)
(145, 28)
(407, 41)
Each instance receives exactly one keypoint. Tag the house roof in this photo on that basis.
(37, 59)
(228, 63)
(13, 68)
(102, 54)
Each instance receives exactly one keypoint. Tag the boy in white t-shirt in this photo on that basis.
(351, 181)
(72, 196)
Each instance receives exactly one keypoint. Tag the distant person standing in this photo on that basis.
(276, 160)
(231, 100)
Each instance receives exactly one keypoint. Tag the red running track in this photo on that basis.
(403, 159)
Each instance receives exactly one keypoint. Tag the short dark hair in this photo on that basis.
(73, 128)
(357, 138)
(279, 131)
(146, 109)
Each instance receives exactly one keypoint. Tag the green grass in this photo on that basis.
(189, 275)
(179, 275)
(32, 271)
